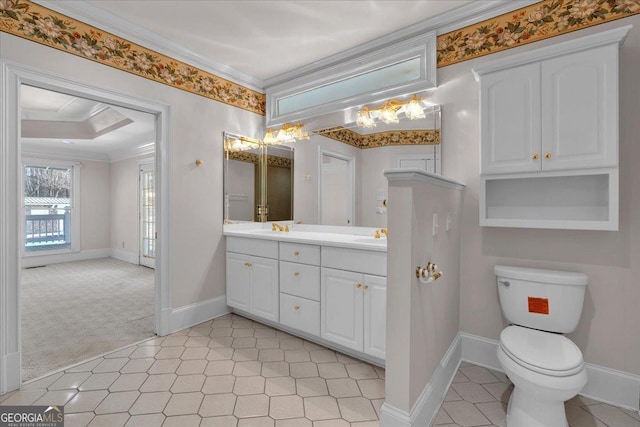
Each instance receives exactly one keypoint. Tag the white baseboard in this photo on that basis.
(37, 260)
(426, 408)
(193, 314)
(10, 364)
(603, 384)
(125, 256)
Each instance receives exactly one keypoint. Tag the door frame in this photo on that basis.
(351, 162)
(144, 164)
(12, 76)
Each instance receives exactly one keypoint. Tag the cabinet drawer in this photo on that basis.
(300, 280)
(257, 247)
(368, 262)
(299, 313)
(295, 252)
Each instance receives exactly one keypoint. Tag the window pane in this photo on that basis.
(47, 202)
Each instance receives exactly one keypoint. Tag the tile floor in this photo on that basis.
(235, 372)
(479, 396)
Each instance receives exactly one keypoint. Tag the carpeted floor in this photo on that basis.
(78, 310)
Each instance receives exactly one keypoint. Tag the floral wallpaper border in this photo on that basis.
(383, 139)
(31, 21)
(542, 20)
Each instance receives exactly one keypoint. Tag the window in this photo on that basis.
(51, 214)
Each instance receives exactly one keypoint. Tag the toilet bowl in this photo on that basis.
(541, 387)
(546, 368)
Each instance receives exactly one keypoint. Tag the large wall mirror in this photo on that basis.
(333, 178)
(258, 180)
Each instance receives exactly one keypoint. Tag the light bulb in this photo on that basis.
(414, 110)
(389, 115)
(364, 119)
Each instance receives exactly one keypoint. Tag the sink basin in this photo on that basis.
(371, 240)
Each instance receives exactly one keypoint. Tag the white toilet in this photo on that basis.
(546, 368)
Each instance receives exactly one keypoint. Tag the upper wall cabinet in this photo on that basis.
(400, 69)
(549, 136)
(554, 108)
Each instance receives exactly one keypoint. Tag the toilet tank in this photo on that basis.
(548, 300)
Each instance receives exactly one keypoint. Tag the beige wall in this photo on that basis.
(196, 126)
(124, 204)
(610, 325)
(95, 205)
(422, 319)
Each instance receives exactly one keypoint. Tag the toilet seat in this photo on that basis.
(542, 352)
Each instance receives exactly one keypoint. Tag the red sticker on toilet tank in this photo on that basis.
(538, 305)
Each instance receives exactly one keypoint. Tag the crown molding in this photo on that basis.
(62, 153)
(137, 151)
(122, 27)
(445, 22)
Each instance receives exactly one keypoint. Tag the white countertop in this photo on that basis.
(324, 235)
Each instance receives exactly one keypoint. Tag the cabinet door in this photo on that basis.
(265, 292)
(510, 120)
(375, 315)
(341, 308)
(238, 280)
(580, 109)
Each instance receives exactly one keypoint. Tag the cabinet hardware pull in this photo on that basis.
(535, 157)
(358, 285)
(547, 156)
(297, 307)
(247, 264)
(504, 283)
(296, 274)
(296, 253)
(366, 287)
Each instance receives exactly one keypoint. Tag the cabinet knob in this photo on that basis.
(296, 274)
(297, 307)
(366, 287)
(247, 264)
(547, 155)
(296, 253)
(535, 157)
(358, 285)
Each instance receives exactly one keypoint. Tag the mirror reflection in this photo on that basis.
(258, 180)
(334, 178)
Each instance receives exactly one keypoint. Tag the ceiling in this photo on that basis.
(61, 123)
(266, 38)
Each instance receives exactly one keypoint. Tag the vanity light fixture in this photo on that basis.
(239, 143)
(389, 111)
(287, 133)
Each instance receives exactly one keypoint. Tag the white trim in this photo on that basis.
(146, 149)
(351, 160)
(41, 260)
(196, 313)
(603, 384)
(425, 409)
(13, 75)
(125, 256)
(617, 35)
(420, 175)
(63, 153)
(117, 25)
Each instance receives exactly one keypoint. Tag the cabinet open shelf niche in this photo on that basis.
(578, 201)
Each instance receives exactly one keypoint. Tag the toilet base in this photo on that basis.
(523, 411)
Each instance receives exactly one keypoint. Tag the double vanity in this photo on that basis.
(324, 283)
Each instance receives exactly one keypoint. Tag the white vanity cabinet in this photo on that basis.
(300, 287)
(332, 294)
(252, 281)
(353, 309)
(549, 135)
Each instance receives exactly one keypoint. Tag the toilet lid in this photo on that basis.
(543, 352)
